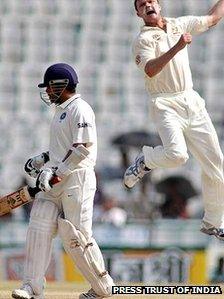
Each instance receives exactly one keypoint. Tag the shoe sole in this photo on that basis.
(212, 232)
(127, 186)
(132, 185)
(209, 232)
(19, 297)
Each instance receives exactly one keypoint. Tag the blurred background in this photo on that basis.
(151, 233)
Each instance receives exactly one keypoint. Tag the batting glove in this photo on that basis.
(44, 178)
(33, 165)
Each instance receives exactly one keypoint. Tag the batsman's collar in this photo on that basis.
(66, 103)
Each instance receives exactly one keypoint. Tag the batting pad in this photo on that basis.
(41, 230)
(86, 256)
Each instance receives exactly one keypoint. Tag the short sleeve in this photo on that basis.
(194, 24)
(83, 125)
(143, 51)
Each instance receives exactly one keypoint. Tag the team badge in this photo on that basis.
(62, 116)
(156, 37)
(175, 30)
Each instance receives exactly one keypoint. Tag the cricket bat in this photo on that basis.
(21, 197)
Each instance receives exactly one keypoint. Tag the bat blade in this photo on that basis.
(14, 200)
(21, 197)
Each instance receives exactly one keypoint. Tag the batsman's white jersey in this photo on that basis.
(73, 122)
(179, 112)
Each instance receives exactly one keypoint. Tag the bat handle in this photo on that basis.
(55, 180)
(34, 190)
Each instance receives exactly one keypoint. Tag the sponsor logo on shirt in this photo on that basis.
(84, 125)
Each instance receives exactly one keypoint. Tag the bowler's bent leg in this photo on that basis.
(170, 124)
(172, 153)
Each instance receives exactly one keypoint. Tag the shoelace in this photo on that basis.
(136, 168)
(27, 288)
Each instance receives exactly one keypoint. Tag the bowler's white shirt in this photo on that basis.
(152, 42)
(73, 122)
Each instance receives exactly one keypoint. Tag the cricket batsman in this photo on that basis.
(177, 110)
(66, 207)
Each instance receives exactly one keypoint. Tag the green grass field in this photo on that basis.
(72, 291)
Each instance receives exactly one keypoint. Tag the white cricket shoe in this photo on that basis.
(210, 229)
(135, 171)
(91, 294)
(207, 228)
(25, 292)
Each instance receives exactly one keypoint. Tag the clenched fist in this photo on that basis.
(184, 40)
(44, 178)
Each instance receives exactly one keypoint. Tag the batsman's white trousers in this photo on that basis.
(183, 123)
(74, 196)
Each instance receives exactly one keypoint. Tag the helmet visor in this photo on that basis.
(52, 93)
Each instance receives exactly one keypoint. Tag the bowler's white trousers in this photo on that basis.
(183, 123)
(74, 196)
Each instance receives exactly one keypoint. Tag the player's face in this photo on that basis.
(48, 95)
(53, 92)
(148, 10)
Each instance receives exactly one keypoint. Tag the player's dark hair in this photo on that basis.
(135, 4)
(71, 89)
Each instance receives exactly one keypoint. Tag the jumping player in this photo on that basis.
(179, 113)
(67, 207)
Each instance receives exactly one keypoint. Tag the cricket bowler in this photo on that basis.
(67, 207)
(177, 110)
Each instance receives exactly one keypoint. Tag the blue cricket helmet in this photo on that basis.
(60, 71)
